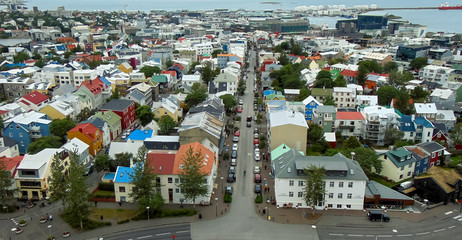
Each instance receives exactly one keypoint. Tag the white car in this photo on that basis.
(257, 156)
(257, 150)
(256, 170)
(235, 147)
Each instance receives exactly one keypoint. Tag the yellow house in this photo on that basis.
(125, 67)
(167, 107)
(33, 173)
(52, 112)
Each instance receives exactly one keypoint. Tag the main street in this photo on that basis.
(162, 232)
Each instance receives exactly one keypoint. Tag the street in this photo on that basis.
(164, 232)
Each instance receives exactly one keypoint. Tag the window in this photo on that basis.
(300, 194)
(10, 134)
(177, 190)
(331, 184)
(402, 168)
(410, 165)
(340, 196)
(348, 206)
(291, 194)
(177, 180)
(291, 182)
(409, 173)
(121, 189)
(401, 176)
(301, 183)
(349, 195)
(170, 180)
(339, 205)
(412, 134)
(433, 155)
(418, 163)
(329, 205)
(22, 143)
(331, 195)
(350, 184)
(340, 184)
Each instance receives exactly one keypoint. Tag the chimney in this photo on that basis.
(80, 130)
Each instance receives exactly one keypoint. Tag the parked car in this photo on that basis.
(257, 178)
(376, 215)
(233, 162)
(257, 150)
(256, 169)
(249, 124)
(235, 146)
(232, 170)
(239, 110)
(255, 130)
(234, 154)
(257, 188)
(257, 156)
(255, 135)
(256, 141)
(229, 190)
(137, 124)
(231, 178)
(249, 118)
(88, 170)
(235, 139)
(237, 133)
(241, 102)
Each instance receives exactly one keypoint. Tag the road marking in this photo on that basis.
(439, 230)
(185, 231)
(384, 235)
(336, 234)
(161, 234)
(370, 236)
(451, 227)
(457, 217)
(423, 233)
(147, 236)
(460, 219)
(447, 213)
(404, 235)
(355, 235)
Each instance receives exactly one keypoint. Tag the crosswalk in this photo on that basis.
(15, 221)
(457, 217)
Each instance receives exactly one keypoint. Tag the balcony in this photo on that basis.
(35, 129)
(35, 134)
(346, 127)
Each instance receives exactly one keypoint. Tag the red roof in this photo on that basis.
(95, 86)
(3, 112)
(179, 65)
(110, 58)
(11, 163)
(173, 73)
(87, 129)
(35, 97)
(349, 116)
(349, 73)
(209, 36)
(162, 163)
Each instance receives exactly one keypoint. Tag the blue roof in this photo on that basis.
(105, 81)
(423, 121)
(268, 92)
(406, 124)
(123, 175)
(140, 135)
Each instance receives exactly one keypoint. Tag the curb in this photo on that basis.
(138, 228)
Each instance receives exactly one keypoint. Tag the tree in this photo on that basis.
(339, 81)
(367, 159)
(122, 159)
(144, 182)
(166, 125)
(102, 163)
(193, 181)
(5, 185)
(419, 94)
(386, 94)
(206, 75)
(283, 59)
(20, 57)
(169, 63)
(315, 186)
(392, 135)
(115, 94)
(418, 63)
(44, 142)
(329, 101)
(57, 181)
(324, 83)
(60, 127)
(285, 46)
(315, 134)
(336, 60)
(216, 52)
(197, 95)
(304, 93)
(456, 134)
(84, 114)
(398, 79)
(39, 63)
(323, 74)
(150, 70)
(77, 195)
(144, 114)
(390, 67)
(193, 67)
(229, 101)
(351, 142)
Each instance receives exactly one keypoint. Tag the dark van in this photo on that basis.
(376, 215)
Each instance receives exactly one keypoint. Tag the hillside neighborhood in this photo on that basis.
(170, 104)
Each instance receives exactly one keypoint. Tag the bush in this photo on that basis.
(166, 213)
(22, 221)
(259, 198)
(103, 186)
(238, 118)
(123, 221)
(87, 223)
(103, 194)
(228, 198)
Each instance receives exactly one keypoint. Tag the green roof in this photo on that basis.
(279, 151)
(108, 116)
(321, 92)
(159, 78)
(457, 67)
(334, 73)
(400, 152)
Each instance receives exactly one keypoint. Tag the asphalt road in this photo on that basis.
(163, 232)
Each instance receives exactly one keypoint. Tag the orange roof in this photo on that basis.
(162, 163)
(225, 55)
(173, 73)
(208, 157)
(349, 116)
(87, 129)
(349, 73)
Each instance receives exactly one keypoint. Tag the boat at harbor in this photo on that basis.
(445, 6)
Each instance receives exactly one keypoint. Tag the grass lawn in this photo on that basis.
(117, 214)
(456, 159)
(387, 183)
(102, 193)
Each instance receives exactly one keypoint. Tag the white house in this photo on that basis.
(378, 120)
(75, 145)
(344, 97)
(427, 110)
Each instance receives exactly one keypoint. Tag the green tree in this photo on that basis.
(102, 163)
(351, 142)
(144, 114)
(403, 143)
(115, 94)
(315, 186)
(197, 95)
(150, 70)
(456, 134)
(241, 88)
(94, 64)
(283, 59)
(39, 63)
(84, 114)
(367, 159)
(304, 93)
(402, 102)
(419, 94)
(297, 50)
(206, 75)
(229, 101)
(60, 127)
(329, 101)
(193, 180)
(122, 159)
(5, 185)
(386, 94)
(315, 134)
(216, 52)
(166, 125)
(20, 57)
(169, 63)
(418, 63)
(77, 195)
(193, 67)
(390, 67)
(285, 46)
(399, 79)
(144, 188)
(392, 135)
(323, 74)
(44, 142)
(340, 81)
(57, 181)
(336, 60)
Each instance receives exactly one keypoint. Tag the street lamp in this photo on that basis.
(222, 186)
(314, 229)
(216, 207)
(147, 209)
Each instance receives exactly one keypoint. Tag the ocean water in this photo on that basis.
(435, 20)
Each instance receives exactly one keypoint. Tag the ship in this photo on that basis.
(445, 6)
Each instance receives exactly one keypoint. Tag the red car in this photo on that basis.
(237, 133)
(256, 141)
(239, 110)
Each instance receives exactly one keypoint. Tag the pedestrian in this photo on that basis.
(96, 203)
(120, 204)
(268, 189)
(265, 167)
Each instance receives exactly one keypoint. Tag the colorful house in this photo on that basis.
(397, 165)
(124, 108)
(125, 67)
(88, 134)
(113, 120)
(435, 150)
(310, 105)
(33, 101)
